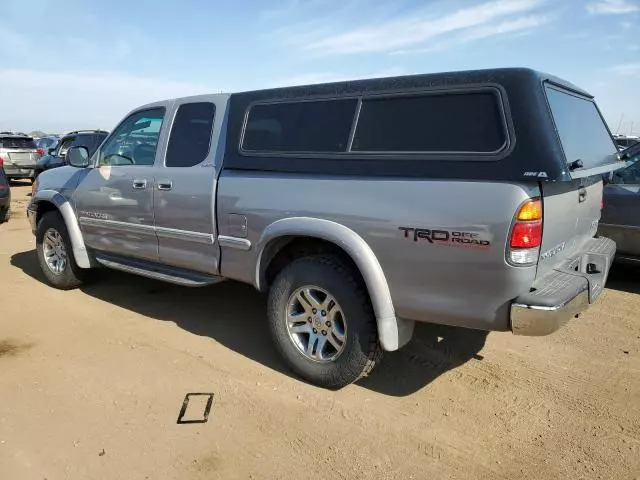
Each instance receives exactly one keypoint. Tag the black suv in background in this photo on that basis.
(56, 157)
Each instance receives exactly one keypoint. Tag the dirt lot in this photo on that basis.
(92, 381)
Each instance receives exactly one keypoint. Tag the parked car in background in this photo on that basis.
(361, 207)
(625, 141)
(21, 134)
(621, 213)
(56, 156)
(47, 143)
(19, 154)
(5, 195)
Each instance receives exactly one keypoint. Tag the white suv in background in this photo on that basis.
(19, 154)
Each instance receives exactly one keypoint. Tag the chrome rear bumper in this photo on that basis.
(564, 293)
(536, 320)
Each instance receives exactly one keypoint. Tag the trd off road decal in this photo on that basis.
(450, 238)
(97, 215)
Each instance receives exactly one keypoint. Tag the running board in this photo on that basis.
(178, 276)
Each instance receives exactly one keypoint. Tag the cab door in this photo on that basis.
(185, 187)
(114, 202)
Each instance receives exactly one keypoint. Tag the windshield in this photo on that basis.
(17, 142)
(583, 133)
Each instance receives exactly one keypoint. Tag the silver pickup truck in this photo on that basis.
(469, 199)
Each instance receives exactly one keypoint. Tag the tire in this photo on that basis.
(69, 275)
(352, 316)
(4, 214)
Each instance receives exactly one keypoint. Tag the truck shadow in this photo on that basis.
(624, 277)
(233, 314)
(433, 351)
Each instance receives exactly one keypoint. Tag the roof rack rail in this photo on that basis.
(15, 134)
(90, 130)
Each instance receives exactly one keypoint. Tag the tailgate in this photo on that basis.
(571, 215)
(18, 151)
(22, 158)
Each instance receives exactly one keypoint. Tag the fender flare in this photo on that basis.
(68, 215)
(392, 331)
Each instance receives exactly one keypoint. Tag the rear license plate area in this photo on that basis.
(595, 268)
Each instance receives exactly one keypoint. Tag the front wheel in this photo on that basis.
(322, 322)
(55, 253)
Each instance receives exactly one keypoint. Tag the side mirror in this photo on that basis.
(78, 157)
(51, 151)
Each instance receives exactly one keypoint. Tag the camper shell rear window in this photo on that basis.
(581, 129)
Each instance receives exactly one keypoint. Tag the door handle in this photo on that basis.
(582, 194)
(139, 184)
(164, 185)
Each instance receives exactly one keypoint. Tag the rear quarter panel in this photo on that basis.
(568, 223)
(449, 282)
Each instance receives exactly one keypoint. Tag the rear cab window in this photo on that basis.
(18, 143)
(190, 138)
(582, 131)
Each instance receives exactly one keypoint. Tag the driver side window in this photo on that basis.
(135, 140)
(65, 145)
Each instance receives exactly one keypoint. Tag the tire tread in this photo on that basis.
(73, 275)
(372, 350)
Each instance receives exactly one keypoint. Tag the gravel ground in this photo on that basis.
(92, 381)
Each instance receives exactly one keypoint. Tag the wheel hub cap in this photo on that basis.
(55, 253)
(316, 324)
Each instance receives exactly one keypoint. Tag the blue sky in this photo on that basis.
(81, 64)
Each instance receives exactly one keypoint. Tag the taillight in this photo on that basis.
(1, 162)
(532, 210)
(40, 151)
(526, 234)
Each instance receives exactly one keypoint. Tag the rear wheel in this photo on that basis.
(322, 322)
(55, 253)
